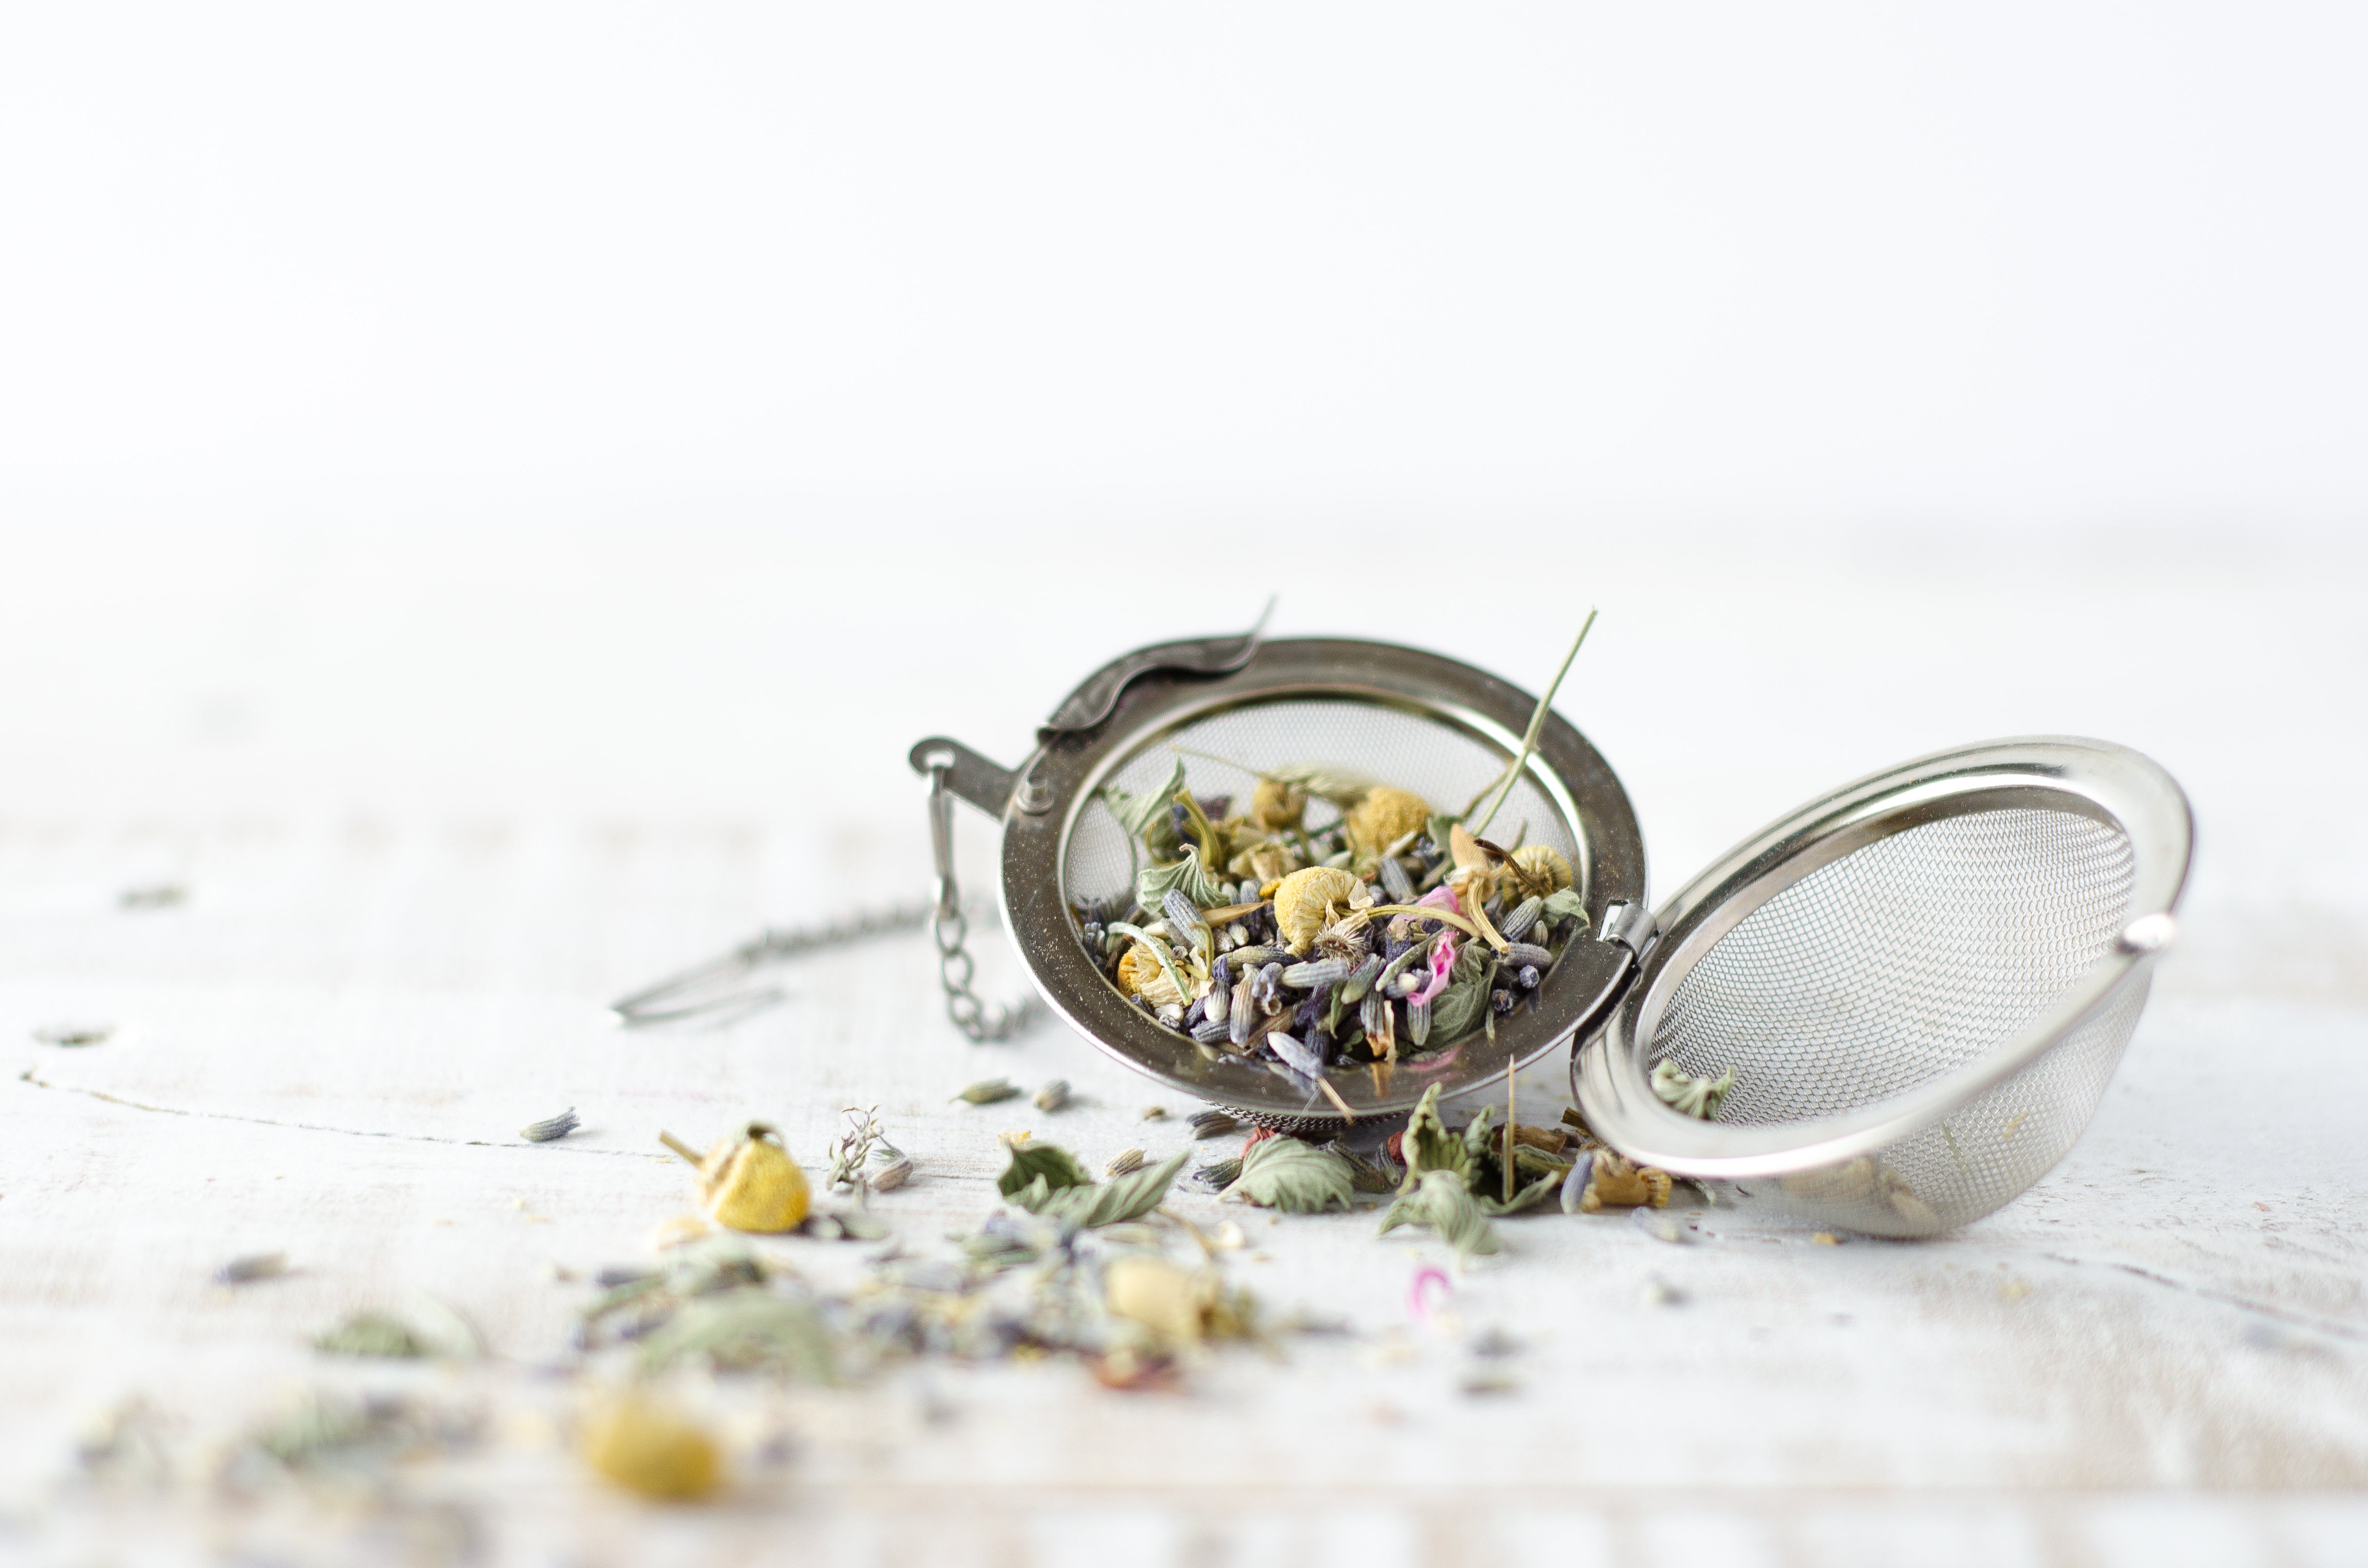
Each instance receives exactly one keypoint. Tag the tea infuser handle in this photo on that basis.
(969, 777)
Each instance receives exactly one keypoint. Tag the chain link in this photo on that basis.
(710, 992)
(950, 928)
(985, 1025)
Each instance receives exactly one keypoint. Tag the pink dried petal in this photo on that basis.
(1442, 964)
(1428, 1279)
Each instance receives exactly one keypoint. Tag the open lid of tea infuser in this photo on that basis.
(1238, 708)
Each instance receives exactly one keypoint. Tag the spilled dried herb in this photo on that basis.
(1294, 1176)
(553, 1130)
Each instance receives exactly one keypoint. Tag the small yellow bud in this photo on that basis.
(750, 1184)
(1169, 1300)
(646, 1447)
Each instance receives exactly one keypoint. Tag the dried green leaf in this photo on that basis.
(1342, 786)
(424, 1327)
(747, 1329)
(1524, 1197)
(1440, 1201)
(1187, 876)
(1138, 814)
(1564, 903)
(1690, 1095)
(1030, 1161)
(371, 1333)
(1458, 1011)
(1130, 1197)
(1478, 1147)
(1294, 1176)
(987, 1091)
(1429, 1145)
(1364, 1175)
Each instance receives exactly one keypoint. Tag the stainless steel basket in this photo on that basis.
(1921, 981)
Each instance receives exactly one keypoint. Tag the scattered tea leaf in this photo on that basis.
(552, 1131)
(1031, 1161)
(1439, 1200)
(251, 1266)
(1294, 1176)
(1429, 1145)
(746, 1329)
(989, 1091)
(73, 1034)
(1688, 1095)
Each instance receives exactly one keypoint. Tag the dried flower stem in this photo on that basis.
(1537, 722)
(682, 1148)
(1512, 1125)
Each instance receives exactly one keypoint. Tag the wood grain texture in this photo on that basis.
(327, 1048)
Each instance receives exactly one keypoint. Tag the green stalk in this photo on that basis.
(1537, 723)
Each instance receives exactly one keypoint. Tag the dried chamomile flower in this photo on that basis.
(1309, 900)
(1384, 817)
(1617, 1184)
(1540, 869)
(552, 1131)
(1172, 1302)
(989, 1091)
(645, 1445)
(749, 1184)
(1277, 806)
(1053, 1096)
(1690, 1095)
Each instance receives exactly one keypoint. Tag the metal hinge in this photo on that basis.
(1630, 925)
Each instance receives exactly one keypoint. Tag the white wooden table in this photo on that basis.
(435, 796)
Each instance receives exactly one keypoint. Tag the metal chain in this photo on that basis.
(710, 992)
(706, 992)
(950, 928)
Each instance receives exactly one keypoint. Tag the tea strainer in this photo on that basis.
(1920, 982)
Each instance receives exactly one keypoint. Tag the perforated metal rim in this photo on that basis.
(2111, 784)
(1060, 780)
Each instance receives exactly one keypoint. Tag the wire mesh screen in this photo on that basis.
(1904, 960)
(1224, 752)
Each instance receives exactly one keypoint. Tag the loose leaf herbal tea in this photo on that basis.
(552, 1131)
(1389, 930)
(1294, 1176)
(1690, 1095)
